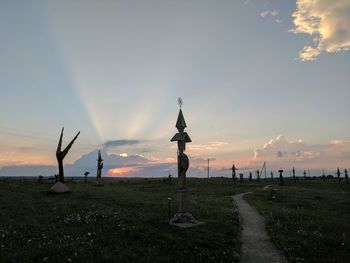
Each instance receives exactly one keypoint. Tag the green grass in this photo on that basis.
(309, 221)
(116, 222)
(128, 221)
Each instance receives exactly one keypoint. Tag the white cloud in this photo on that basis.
(327, 22)
(246, 2)
(215, 145)
(266, 13)
(280, 152)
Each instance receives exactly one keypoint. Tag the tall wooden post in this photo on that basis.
(281, 177)
(234, 173)
(294, 175)
(208, 168)
(61, 154)
(182, 217)
(338, 175)
(99, 166)
(346, 175)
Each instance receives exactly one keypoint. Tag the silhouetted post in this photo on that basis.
(281, 177)
(61, 154)
(338, 175)
(271, 176)
(250, 176)
(234, 173)
(323, 176)
(241, 178)
(85, 176)
(258, 174)
(208, 169)
(99, 166)
(182, 215)
(40, 178)
(169, 202)
(304, 175)
(293, 174)
(346, 175)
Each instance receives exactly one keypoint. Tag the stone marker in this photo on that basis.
(182, 218)
(59, 188)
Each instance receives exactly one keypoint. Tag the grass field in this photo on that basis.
(125, 221)
(309, 221)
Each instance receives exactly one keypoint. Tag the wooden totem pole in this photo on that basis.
(99, 165)
(234, 173)
(182, 217)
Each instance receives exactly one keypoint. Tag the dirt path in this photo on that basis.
(256, 244)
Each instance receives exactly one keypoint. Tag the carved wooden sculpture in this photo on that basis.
(99, 166)
(294, 178)
(61, 154)
(234, 173)
(182, 216)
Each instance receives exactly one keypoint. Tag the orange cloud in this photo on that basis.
(122, 171)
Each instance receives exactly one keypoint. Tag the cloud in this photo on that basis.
(327, 22)
(215, 145)
(28, 170)
(266, 13)
(247, 2)
(116, 143)
(200, 162)
(123, 171)
(114, 165)
(279, 152)
(88, 161)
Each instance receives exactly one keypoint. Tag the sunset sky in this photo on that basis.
(261, 81)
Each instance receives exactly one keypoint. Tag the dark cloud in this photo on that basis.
(116, 143)
(28, 170)
(279, 154)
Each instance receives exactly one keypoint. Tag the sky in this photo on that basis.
(261, 81)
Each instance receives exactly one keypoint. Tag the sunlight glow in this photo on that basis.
(122, 171)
